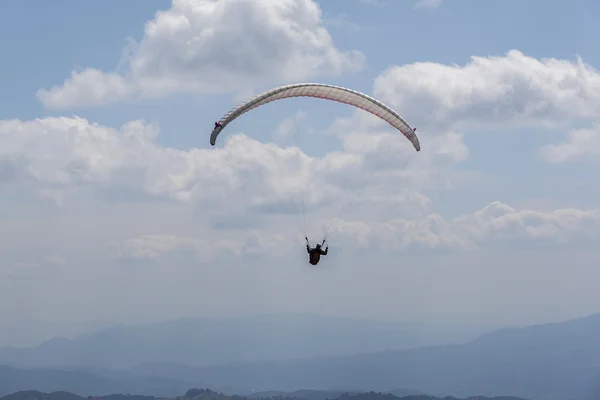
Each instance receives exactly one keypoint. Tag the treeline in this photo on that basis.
(206, 394)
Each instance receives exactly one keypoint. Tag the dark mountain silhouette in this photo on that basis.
(85, 383)
(306, 394)
(207, 394)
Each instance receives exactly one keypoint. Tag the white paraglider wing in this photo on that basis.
(322, 91)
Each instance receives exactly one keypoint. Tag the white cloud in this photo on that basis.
(90, 87)
(580, 145)
(496, 224)
(70, 156)
(514, 88)
(65, 156)
(209, 46)
(57, 155)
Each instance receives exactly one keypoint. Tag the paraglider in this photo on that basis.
(314, 254)
(326, 92)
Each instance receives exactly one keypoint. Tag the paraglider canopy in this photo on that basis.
(322, 91)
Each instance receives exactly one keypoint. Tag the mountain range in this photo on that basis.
(217, 341)
(544, 362)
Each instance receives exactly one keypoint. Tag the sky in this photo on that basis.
(116, 209)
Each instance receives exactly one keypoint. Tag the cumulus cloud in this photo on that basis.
(60, 156)
(497, 223)
(209, 46)
(514, 88)
(580, 145)
(66, 156)
(57, 157)
(497, 91)
(91, 87)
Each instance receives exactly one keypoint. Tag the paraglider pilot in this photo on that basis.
(316, 253)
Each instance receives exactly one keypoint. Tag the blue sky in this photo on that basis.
(136, 207)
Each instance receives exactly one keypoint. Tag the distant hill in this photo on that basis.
(206, 394)
(559, 361)
(36, 395)
(85, 383)
(306, 394)
(299, 394)
(217, 341)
